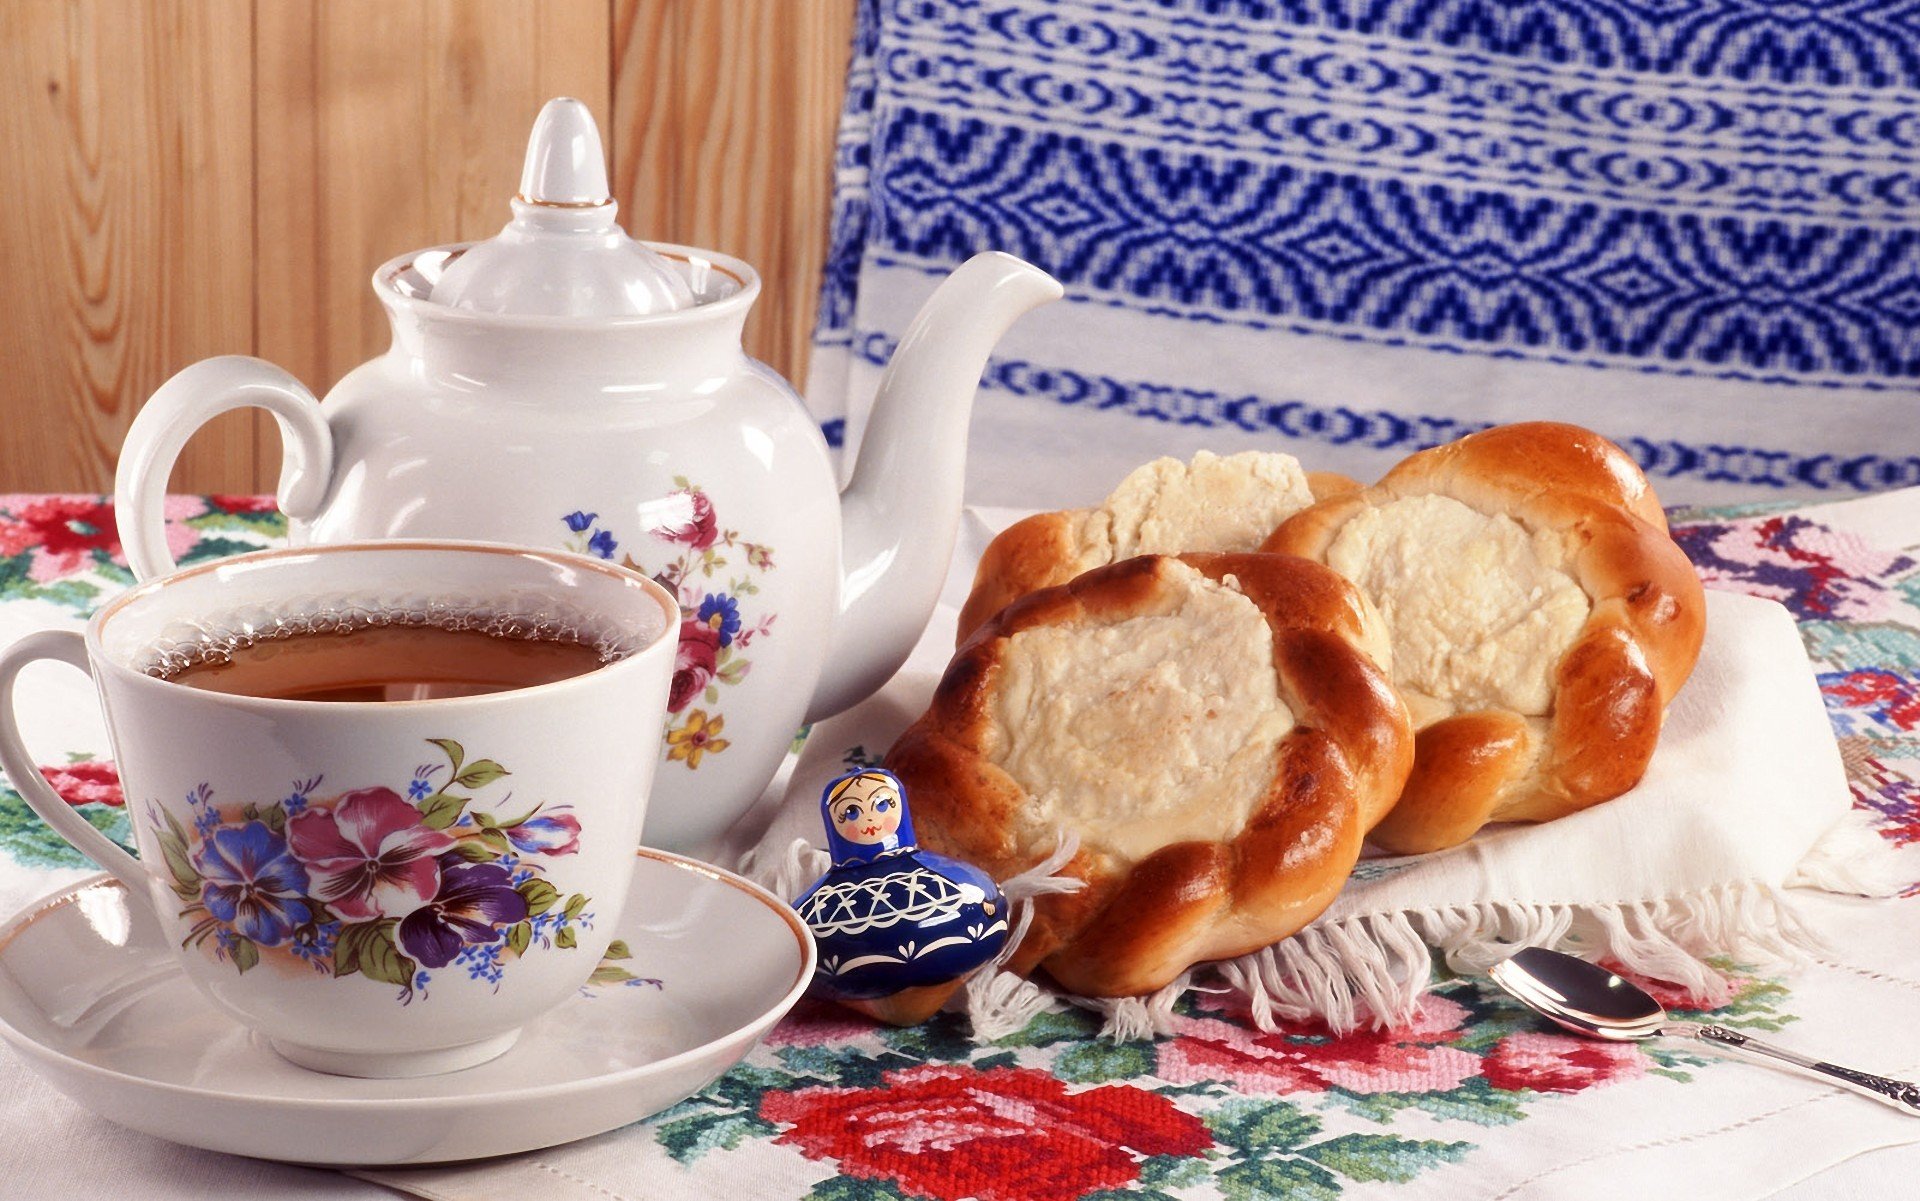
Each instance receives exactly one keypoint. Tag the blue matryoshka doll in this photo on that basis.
(890, 918)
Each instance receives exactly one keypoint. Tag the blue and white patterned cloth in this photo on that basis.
(1348, 229)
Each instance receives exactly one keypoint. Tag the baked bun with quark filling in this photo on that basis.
(1216, 729)
(1541, 620)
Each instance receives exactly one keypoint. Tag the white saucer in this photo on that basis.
(93, 1000)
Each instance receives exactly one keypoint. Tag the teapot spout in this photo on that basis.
(901, 509)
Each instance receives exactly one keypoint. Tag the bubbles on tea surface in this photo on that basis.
(195, 643)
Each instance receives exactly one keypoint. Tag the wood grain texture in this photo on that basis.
(723, 136)
(222, 176)
(128, 251)
(386, 126)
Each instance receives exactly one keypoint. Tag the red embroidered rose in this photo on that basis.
(66, 525)
(94, 782)
(64, 532)
(1006, 1134)
(1301, 1058)
(229, 503)
(1559, 1063)
(690, 522)
(693, 663)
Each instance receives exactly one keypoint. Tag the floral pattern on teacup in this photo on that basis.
(390, 884)
(715, 630)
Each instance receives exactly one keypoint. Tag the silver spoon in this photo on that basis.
(1588, 999)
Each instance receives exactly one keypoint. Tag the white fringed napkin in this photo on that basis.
(1746, 799)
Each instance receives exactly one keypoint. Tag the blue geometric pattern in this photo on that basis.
(1255, 242)
(1726, 189)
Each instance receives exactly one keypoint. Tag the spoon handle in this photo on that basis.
(1902, 1095)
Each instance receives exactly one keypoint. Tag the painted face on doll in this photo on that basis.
(868, 813)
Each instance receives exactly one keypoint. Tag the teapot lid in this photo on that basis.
(563, 254)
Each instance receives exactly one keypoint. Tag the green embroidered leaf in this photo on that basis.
(1278, 1125)
(1046, 1028)
(1091, 1062)
(1005, 1059)
(266, 523)
(845, 1067)
(1174, 1171)
(245, 954)
(566, 939)
(539, 896)
(480, 773)
(607, 973)
(369, 948)
(688, 1138)
(519, 935)
(846, 1188)
(575, 904)
(454, 751)
(1371, 1157)
(441, 810)
(1269, 1179)
(1475, 1101)
(32, 842)
(217, 548)
(475, 852)
(617, 949)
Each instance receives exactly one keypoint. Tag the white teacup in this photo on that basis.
(378, 888)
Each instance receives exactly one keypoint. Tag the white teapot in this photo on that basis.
(563, 385)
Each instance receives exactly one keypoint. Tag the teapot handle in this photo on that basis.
(185, 403)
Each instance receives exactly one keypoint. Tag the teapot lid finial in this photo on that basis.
(565, 163)
(563, 254)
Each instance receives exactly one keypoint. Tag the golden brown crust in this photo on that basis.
(1137, 926)
(1328, 484)
(1025, 557)
(1041, 552)
(1614, 683)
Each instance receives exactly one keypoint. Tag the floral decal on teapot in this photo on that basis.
(389, 884)
(714, 573)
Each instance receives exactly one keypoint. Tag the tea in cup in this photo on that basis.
(386, 795)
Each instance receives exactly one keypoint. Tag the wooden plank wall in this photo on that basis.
(200, 177)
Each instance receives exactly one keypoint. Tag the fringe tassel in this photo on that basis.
(999, 1003)
(1376, 967)
(1131, 1018)
(1854, 860)
(790, 873)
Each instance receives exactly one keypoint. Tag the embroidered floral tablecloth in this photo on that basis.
(1473, 1099)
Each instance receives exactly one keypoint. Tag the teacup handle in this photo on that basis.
(188, 401)
(63, 646)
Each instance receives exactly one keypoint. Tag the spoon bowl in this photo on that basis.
(1592, 1001)
(1580, 996)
